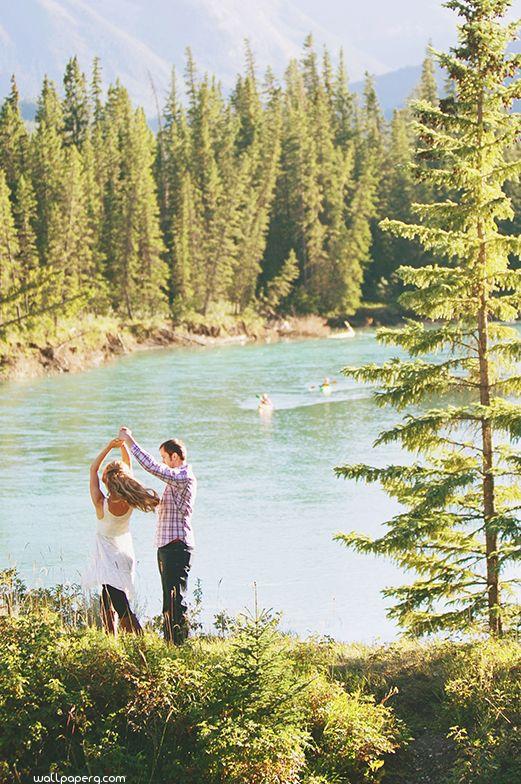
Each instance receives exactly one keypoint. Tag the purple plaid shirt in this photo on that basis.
(174, 512)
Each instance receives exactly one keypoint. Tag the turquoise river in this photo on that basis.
(268, 504)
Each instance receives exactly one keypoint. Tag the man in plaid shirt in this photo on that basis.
(174, 535)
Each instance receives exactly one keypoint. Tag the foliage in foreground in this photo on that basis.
(458, 531)
(256, 707)
(248, 710)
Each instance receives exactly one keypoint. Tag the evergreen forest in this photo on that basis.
(266, 200)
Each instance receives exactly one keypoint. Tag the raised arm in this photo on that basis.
(95, 490)
(172, 476)
(125, 456)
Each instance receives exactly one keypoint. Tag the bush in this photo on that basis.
(255, 707)
(250, 709)
(484, 700)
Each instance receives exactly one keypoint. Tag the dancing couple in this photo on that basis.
(113, 565)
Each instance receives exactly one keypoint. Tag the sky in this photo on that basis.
(393, 33)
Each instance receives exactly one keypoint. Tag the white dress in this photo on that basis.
(113, 561)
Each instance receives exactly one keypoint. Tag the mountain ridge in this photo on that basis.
(39, 36)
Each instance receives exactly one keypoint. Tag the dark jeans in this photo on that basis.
(114, 600)
(174, 564)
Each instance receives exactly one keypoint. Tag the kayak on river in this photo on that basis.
(325, 387)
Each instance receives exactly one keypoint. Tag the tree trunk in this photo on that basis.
(489, 506)
(489, 509)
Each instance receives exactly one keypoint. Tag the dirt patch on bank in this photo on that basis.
(90, 348)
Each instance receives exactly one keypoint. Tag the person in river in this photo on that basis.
(174, 535)
(113, 565)
(265, 404)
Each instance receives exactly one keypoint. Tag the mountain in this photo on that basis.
(393, 89)
(139, 40)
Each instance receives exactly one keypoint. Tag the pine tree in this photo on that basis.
(131, 242)
(255, 732)
(359, 239)
(14, 139)
(151, 277)
(92, 174)
(427, 89)
(69, 237)
(371, 170)
(212, 134)
(96, 92)
(343, 107)
(47, 162)
(254, 170)
(298, 201)
(372, 139)
(180, 211)
(187, 242)
(27, 293)
(333, 276)
(10, 272)
(76, 105)
(279, 288)
(459, 530)
(397, 192)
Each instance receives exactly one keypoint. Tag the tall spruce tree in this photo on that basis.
(76, 109)
(47, 162)
(14, 139)
(10, 272)
(151, 275)
(255, 165)
(427, 89)
(212, 134)
(333, 278)
(131, 242)
(299, 195)
(366, 197)
(397, 193)
(459, 529)
(69, 237)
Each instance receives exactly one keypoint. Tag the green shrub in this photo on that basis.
(250, 709)
(253, 732)
(352, 733)
(484, 704)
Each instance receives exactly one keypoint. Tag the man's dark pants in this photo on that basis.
(174, 564)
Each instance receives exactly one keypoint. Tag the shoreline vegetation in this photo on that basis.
(93, 341)
(247, 704)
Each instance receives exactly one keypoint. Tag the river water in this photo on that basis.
(268, 503)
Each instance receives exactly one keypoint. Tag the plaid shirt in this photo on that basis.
(174, 512)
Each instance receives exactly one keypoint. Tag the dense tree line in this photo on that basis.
(267, 198)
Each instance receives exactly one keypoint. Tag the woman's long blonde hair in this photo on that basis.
(121, 485)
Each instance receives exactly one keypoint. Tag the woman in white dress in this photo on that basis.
(114, 562)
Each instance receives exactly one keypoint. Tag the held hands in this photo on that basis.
(115, 443)
(124, 433)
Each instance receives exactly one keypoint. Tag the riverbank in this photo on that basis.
(94, 341)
